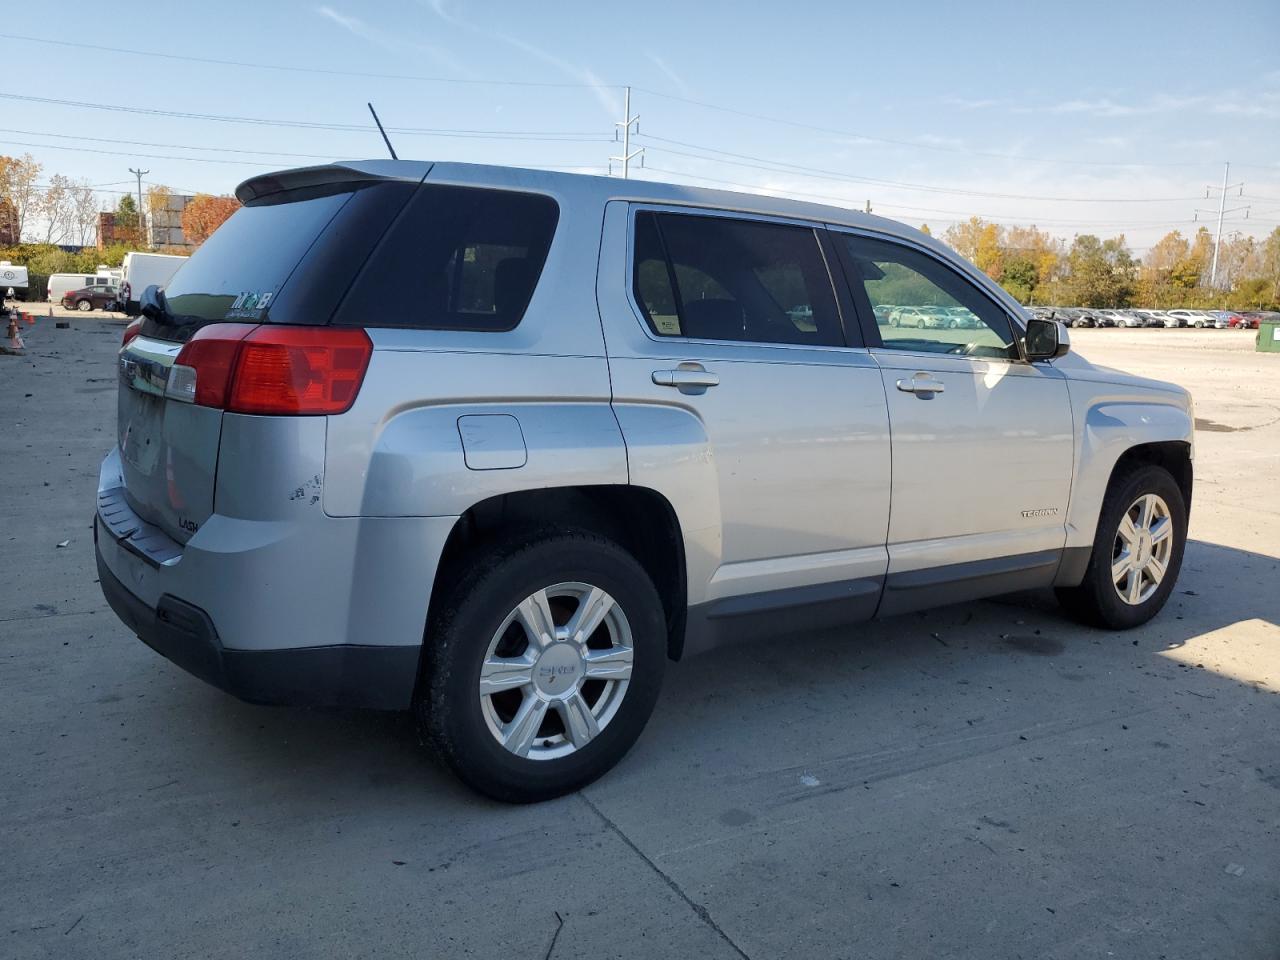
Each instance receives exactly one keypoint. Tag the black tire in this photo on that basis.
(448, 704)
(1095, 601)
(84, 306)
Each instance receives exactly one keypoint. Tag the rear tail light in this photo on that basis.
(272, 370)
(131, 331)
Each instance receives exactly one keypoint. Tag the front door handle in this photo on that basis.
(687, 378)
(922, 385)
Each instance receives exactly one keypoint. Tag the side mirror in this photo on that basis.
(1046, 339)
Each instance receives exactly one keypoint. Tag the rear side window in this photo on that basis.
(458, 258)
(716, 278)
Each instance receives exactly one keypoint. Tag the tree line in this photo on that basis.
(38, 218)
(1039, 268)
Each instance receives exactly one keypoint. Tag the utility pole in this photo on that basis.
(142, 226)
(1222, 212)
(627, 153)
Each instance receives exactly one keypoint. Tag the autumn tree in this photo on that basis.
(204, 214)
(57, 209)
(84, 213)
(979, 242)
(1100, 273)
(18, 179)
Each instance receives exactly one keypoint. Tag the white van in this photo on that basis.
(141, 270)
(62, 283)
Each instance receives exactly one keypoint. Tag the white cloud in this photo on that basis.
(605, 95)
(675, 78)
(394, 41)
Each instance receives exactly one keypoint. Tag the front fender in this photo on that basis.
(1113, 423)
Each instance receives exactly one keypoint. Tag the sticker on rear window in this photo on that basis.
(250, 305)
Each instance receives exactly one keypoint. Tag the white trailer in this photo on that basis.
(11, 278)
(141, 270)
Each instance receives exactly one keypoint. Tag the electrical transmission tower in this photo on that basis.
(1222, 212)
(627, 153)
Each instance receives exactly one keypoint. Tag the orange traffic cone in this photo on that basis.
(14, 344)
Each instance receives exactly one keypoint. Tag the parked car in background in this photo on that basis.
(1228, 319)
(64, 283)
(1125, 318)
(962, 318)
(1075, 317)
(356, 498)
(1255, 318)
(92, 298)
(1192, 318)
(915, 317)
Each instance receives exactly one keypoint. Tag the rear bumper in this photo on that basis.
(338, 675)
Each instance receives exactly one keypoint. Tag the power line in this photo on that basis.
(314, 70)
(703, 104)
(1002, 218)
(778, 166)
(170, 146)
(569, 136)
(834, 131)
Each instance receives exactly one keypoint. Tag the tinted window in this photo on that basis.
(239, 271)
(923, 306)
(459, 258)
(714, 278)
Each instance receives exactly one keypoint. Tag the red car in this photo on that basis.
(1253, 318)
(91, 298)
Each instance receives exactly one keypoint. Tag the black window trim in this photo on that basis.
(845, 315)
(866, 317)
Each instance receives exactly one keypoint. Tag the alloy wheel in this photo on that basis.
(1142, 549)
(556, 671)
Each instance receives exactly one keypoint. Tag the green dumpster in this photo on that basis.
(1269, 336)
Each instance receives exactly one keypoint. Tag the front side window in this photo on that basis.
(922, 306)
(714, 278)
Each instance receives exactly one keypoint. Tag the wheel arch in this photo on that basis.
(639, 519)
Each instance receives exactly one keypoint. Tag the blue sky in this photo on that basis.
(1083, 117)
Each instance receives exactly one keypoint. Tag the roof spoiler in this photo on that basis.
(255, 188)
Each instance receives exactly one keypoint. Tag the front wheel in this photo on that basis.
(543, 665)
(1137, 552)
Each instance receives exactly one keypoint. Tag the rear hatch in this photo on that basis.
(286, 257)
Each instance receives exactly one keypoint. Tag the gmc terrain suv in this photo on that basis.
(616, 423)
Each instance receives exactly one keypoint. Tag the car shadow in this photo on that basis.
(863, 673)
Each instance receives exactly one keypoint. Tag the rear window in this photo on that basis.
(239, 270)
(286, 258)
(459, 258)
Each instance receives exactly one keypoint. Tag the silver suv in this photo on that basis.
(495, 444)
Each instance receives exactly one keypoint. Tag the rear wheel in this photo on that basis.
(543, 666)
(1137, 552)
(84, 306)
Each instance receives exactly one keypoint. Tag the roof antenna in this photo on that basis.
(385, 139)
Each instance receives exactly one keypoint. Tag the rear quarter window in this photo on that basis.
(458, 258)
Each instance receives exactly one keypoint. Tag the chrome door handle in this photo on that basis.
(686, 377)
(921, 385)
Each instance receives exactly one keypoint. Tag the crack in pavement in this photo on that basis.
(699, 910)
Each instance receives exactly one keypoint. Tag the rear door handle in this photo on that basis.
(922, 385)
(686, 377)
